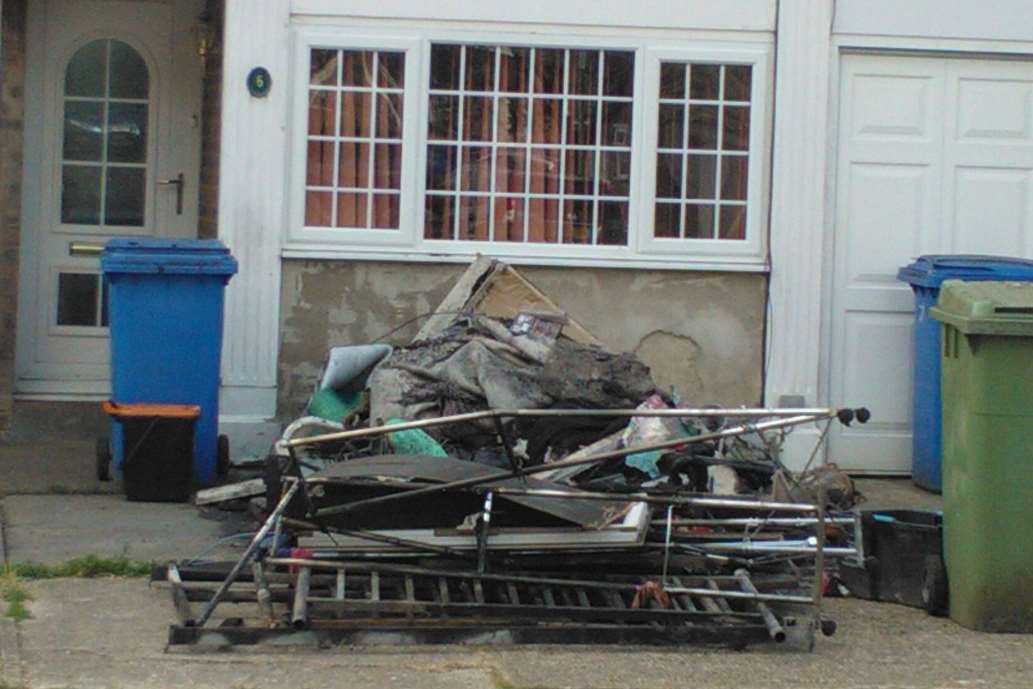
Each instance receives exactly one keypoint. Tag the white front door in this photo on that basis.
(112, 149)
(935, 155)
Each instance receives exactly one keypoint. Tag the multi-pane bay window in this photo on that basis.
(529, 144)
(608, 151)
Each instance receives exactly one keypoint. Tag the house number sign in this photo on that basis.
(259, 81)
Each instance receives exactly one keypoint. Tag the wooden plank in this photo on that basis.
(374, 586)
(233, 491)
(179, 596)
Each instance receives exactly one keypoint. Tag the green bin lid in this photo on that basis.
(986, 308)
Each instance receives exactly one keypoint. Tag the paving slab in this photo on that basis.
(111, 634)
(55, 528)
(51, 467)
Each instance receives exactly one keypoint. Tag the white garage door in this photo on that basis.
(935, 155)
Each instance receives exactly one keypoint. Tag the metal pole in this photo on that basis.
(819, 559)
(775, 630)
(816, 413)
(418, 546)
(772, 547)
(251, 548)
(688, 501)
(757, 521)
(299, 612)
(562, 464)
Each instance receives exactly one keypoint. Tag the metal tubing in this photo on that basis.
(775, 629)
(819, 558)
(771, 547)
(756, 521)
(564, 463)
(418, 546)
(816, 413)
(299, 611)
(689, 501)
(251, 548)
(544, 581)
(263, 595)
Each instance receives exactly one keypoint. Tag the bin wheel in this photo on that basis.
(935, 597)
(222, 456)
(103, 458)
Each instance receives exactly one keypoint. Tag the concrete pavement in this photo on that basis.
(89, 633)
(55, 528)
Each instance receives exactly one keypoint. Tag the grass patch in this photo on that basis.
(86, 567)
(13, 592)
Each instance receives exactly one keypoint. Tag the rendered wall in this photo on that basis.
(700, 332)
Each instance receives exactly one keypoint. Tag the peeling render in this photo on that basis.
(701, 333)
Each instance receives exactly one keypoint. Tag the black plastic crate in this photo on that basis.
(903, 560)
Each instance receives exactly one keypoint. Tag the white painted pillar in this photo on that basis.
(251, 203)
(798, 209)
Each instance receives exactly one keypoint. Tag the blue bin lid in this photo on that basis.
(175, 256)
(931, 270)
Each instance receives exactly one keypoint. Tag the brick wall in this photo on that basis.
(211, 108)
(12, 112)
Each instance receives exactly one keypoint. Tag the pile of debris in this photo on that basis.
(505, 479)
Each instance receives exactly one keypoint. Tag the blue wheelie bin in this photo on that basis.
(925, 276)
(165, 300)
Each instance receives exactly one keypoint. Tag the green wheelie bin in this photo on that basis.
(987, 357)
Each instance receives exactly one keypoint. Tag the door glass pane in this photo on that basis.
(125, 191)
(128, 72)
(127, 132)
(84, 129)
(80, 195)
(77, 298)
(86, 71)
(105, 130)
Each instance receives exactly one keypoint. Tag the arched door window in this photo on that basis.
(104, 152)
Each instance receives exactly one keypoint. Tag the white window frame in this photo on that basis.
(642, 250)
(298, 232)
(753, 247)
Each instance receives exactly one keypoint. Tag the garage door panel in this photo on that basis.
(992, 212)
(879, 374)
(890, 209)
(994, 111)
(893, 107)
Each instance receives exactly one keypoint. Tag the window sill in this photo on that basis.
(336, 252)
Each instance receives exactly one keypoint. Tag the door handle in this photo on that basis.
(178, 181)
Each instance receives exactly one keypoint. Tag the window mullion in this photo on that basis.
(372, 171)
(683, 207)
(719, 145)
(528, 151)
(102, 212)
(494, 146)
(597, 154)
(561, 226)
(460, 123)
(338, 114)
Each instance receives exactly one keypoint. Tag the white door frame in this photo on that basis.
(37, 190)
